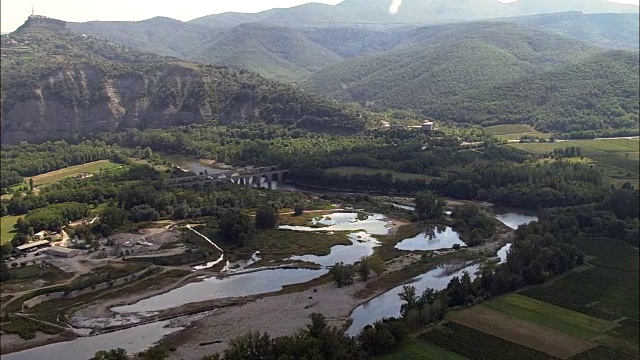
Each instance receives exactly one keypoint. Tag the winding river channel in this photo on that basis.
(360, 229)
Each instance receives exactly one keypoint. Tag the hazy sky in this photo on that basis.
(15, 12)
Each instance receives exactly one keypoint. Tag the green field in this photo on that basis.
(6, 228)
(414, 349)
(607, 290)
(57, 175)
(514, 131)
(618, 159)
(551, 316)
(349, 170)
(478, 345)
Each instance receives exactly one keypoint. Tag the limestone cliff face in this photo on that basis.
(58, 85)
(87, 101)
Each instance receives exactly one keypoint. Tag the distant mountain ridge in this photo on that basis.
(415, 12)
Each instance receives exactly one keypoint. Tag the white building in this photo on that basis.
(62, 252)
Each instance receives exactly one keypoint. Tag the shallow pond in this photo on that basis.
(388, 304)
(372, 224)
(133, 340)
(362, 244)
(254, 283)
(433, 238)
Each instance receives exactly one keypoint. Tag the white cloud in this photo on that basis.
(395, 6)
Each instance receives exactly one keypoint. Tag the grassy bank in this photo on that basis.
(71, 171)
(6, 227)
(351, 170)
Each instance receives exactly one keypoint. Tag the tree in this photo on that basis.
(4, 271)
(342, 274)
(113, 354)
(317, 326)
(252, 346)
(376, 264)
(298, 210)
(236, 228)
(30, 183)
(266, 217)
(428, 206)
(364, 269)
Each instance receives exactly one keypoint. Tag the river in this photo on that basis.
(133, 340)
(388, 304)
(140, 337)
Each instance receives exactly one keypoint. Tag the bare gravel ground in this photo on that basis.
(278, 315)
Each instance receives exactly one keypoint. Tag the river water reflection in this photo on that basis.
(133, 340)
(388, 304)
(343, 221)
(259, 282)
(433, 238)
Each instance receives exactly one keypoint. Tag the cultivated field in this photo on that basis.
(57, 175)
(416, 349)
(618, 158)
(604, 353)
(514, 131)
(608, 290)
(478, 345)
(554, 317)
(522, 332)
(6, 228)
(349, 170)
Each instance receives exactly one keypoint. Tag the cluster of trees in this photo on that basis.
(568, 152)
(52, 217)
(428, 206)
(343, 275)
(473, 225)
(27, 160)
(600, 133)
(538, 186)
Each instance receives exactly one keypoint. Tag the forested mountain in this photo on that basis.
(160, 35)
(493, 72)
(280, 52)
(412, 12)
(291, 51)
(442, 61)
(598, 92)
(56, 84)
(616, 31)
(524, 7)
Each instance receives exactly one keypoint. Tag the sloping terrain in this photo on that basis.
(281, 53)
(56, 84)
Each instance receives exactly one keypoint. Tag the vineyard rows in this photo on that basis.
(478, 345)
(604, 353)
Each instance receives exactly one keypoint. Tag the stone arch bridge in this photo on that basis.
(258, 176)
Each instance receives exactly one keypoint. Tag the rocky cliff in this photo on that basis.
(57, 85)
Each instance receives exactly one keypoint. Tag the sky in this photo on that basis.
(13, 13)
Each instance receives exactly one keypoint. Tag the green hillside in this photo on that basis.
(492, 73)
(275, 52)
(616, 31)
(69, 85)
(443, 61)
(599, 92)
(158, 35)
(288, 50)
